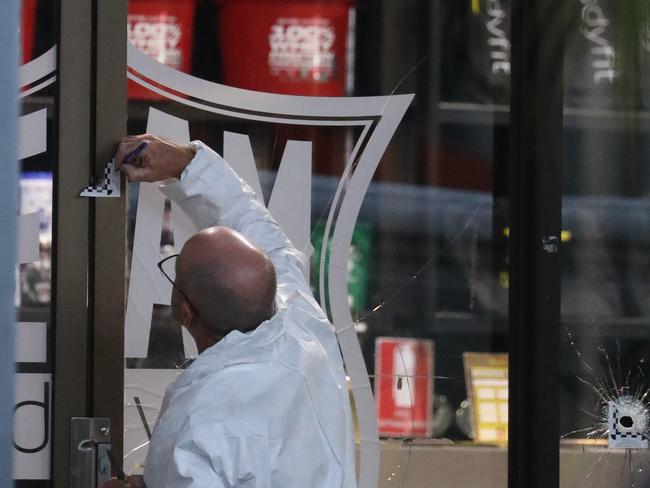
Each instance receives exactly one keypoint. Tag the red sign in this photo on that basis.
(404, 386)
(162, 29)
(295, 47)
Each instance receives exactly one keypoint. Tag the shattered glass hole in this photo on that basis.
(626, 422)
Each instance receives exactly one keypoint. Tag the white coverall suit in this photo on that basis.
(268, 408)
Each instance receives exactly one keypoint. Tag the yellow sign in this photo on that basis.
(486, 377)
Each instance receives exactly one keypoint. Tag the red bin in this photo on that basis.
(163, 29)
(286, 46)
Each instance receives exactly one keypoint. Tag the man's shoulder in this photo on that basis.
(303, 306)
(244, 381)
(306, 317)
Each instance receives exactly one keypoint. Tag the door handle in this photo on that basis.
(90, 441)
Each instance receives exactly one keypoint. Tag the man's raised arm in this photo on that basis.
(210, 192)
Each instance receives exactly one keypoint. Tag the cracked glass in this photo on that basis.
(604, 391)
(387, 164)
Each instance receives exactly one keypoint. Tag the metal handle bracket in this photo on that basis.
(90, 439)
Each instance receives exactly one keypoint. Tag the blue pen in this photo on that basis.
(131, 156)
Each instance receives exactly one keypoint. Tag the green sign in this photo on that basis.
(358, 263)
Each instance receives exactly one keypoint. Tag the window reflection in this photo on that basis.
(33, 299)
(605, 208)
(427, 268)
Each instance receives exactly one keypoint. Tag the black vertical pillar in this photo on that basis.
(536, 200)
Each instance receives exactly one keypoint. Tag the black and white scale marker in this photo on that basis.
(627, 424)
(108, 187)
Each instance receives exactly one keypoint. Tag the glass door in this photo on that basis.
(604, 329)
(379, 135)
(382, 152)
(34, 284)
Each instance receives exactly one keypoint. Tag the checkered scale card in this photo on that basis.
(625, 430)
(109, 185)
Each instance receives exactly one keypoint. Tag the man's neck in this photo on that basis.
(205, 338)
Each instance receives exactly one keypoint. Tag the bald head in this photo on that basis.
(230, 282)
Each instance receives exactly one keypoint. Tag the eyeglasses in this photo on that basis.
(168, 269)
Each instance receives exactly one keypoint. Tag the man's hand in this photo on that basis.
(159, 160)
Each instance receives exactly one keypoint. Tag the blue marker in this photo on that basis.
(132, 155)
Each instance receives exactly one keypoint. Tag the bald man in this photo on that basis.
(231, 282)
(265, 404)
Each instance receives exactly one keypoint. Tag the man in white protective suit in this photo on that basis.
(265, 404)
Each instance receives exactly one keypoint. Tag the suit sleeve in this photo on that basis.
(211, 193)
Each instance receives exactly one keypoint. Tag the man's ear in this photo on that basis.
(187, 315)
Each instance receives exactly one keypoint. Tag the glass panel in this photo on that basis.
(605, 321)
(423, 241)
(34, 331)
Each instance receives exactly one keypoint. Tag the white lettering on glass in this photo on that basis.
(498, 40)
(594, 29)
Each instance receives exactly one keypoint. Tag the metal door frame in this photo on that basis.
(89, 235)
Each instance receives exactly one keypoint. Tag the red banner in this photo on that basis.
(27, 23)
(163, 29)
(285, 46)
